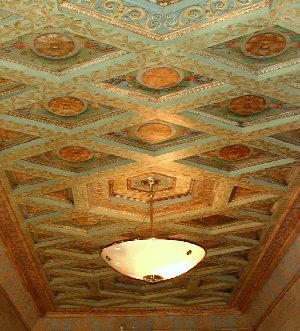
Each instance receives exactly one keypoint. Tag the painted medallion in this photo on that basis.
(265, 45)
(54, 46)
(66, 106)
(85, 221)
(234, 153)
(75, 154)
(155, 132)
(248, 105)
(160, 77)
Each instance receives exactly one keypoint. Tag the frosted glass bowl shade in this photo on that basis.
(152, 259)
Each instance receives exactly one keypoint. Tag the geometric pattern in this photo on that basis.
(222, 136)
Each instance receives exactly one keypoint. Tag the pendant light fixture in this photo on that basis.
(152, 259)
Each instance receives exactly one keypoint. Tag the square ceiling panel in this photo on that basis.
(261, 51)
(246, 112)
(55, 51)
(66, 111)
(99, 96)
(158, 83)
(157, 137)
(73, 159)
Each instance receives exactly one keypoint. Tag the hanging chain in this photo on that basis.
(151, 183)
(151, 193)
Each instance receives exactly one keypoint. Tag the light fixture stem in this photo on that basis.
(151, 184)
(151, 216)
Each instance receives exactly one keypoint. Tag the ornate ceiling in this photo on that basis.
(96, 96)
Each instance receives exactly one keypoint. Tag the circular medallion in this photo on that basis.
(155, 132)
(234, 153)
(66, 106)
(75, 154)
(265, 45)
(248, 105)
(160, 78)
(55, 46)
(85, 221)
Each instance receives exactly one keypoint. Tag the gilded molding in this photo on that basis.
(168, 36)
(165, 98)
(63, 124)
(144, 311)
(12, 90)
(246, 68)
(76, 67)
(249, 123)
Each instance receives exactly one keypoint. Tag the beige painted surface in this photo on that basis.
(285, 316)
(9, 320)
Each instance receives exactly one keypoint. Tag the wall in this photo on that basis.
(276, 302)
(285, 316)
(9, 319)
(12, 287)
(144, 323)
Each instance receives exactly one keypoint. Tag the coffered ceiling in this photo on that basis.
(96, 96)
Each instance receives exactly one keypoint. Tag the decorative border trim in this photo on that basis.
(145, 312)
(168, 36)
(78, 124)
(147, 98)
(13, 89)
(198, 112)
(243, 67)
(76, 67)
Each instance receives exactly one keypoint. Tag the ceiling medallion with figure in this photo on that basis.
(66, 106)
(155, 132)
(234, 153)
(159, 78)
(248, 105)
(55, 46)
(265, 45)
(85, 221)
(75, 154)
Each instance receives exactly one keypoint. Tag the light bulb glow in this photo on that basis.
(144, 258)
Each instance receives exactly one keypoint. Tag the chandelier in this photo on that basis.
(152, 259)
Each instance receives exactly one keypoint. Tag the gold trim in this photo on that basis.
(246, 124)
(13, 89)
(143, 311)
(201, 136)
(157, 37)
(294, 84)
(62, 124)
(246, 68)
(171, 96)
(62, 72)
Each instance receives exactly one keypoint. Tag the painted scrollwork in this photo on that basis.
(162, 23)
